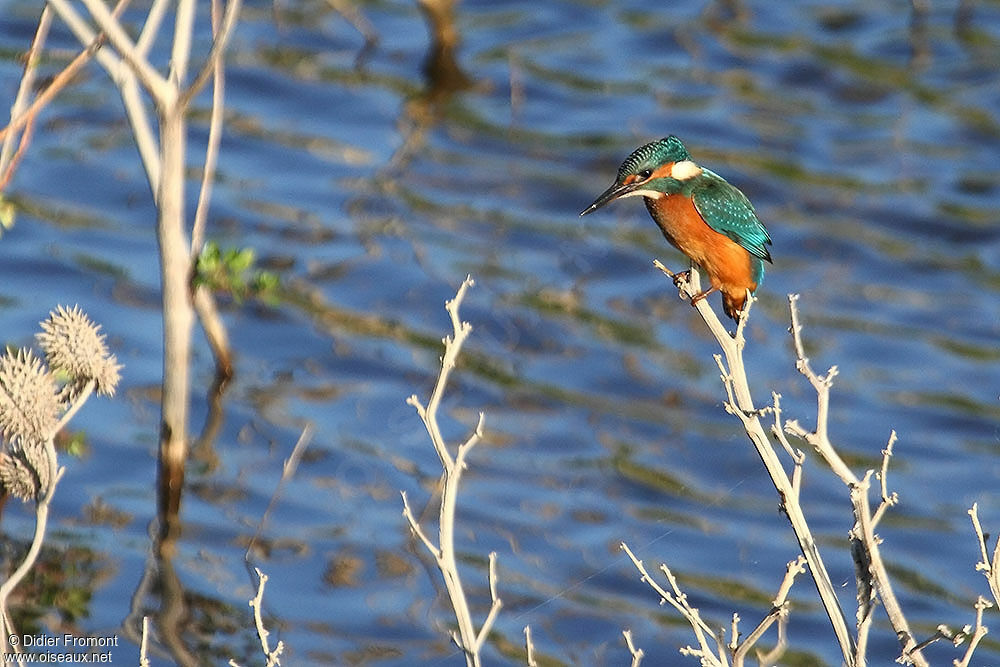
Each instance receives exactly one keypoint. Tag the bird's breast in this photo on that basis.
(726, 262)
(683, 226)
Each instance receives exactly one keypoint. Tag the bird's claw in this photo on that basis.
(680, 277)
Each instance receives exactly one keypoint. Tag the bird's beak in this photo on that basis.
(614, 192)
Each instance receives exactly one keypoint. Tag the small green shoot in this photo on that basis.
(231, 270)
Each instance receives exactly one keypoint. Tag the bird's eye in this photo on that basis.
(645, 173)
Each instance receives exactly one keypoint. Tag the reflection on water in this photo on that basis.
(373, 179)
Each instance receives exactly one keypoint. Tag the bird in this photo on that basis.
(700, 214)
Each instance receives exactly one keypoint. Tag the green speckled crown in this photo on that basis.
(652, 155)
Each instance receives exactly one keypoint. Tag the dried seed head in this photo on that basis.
(74, 344)
(29, 399)
(25, 472)
(17, 478)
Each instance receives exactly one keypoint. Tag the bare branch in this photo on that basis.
(144, 645)
(452, 346)
(214, 139)
(417, 530)
(529, 648)
(740, 402)
(636, 653)
(214, 59)
(977, 635)
(819, 438)
(888, 499)
(990, 567)
(467, 638)
(154, 82)
(864, 531)
(678, 600)
(778, 612)
(495, 607)
(272, 656)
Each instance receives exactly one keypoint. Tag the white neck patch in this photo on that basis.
(684, 170)
(652, 194)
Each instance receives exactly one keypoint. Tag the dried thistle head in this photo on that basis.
(30, 405)
(74, 344)
(25, 471)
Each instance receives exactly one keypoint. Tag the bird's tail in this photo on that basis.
(733, 302)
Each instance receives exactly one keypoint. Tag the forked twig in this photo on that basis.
(467, 638)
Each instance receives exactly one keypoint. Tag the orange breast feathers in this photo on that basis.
(727, 264)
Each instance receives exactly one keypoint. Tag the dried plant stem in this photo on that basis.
(778, 613)
(164, 159)
(467, 638)
(144, 643)
(989, 566)
(44, 502)
(711, 657)
(529, 648)
(23, 115)
(272, 657)
(212, 148)
(8, 586)
(977, 634)
(178, 312)
(740, 403)
(870, 568)
(636, 653)
(19, 117)
(736, 650)
(872, 577)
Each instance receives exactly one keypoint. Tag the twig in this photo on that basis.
(990, 567)
(870, 569)
(797, 455)
(678, 600)
(467, 638)
(212, 148)
(151, 28)
(24, 89)
(109, 25)
(778, 612)
(203, 299)
(497, 604)
(818, 437)
(740, 403)
(529, 648)
(636, 653)
(417, 530)
(452, 346)
(23, 115)
(214, 59)
(287, 472)
(888, 499)
(271, 656)
(977, 635)
(144, 644)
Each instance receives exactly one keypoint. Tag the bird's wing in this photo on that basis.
(727, 210)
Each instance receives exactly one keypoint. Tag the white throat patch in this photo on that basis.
(684, 170)
(652, 194)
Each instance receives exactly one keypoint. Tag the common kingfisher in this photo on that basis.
(700, 214)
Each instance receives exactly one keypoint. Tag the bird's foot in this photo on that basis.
(701, 295)
(680, 278)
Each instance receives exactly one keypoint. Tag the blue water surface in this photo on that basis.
(867, 137)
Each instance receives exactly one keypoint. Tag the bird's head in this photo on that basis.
(659, 168)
